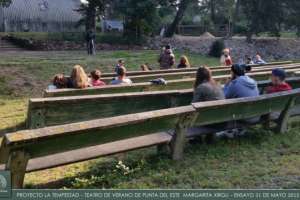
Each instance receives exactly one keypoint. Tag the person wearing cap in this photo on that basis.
(240, 85)
(166, 59)
(278, 82)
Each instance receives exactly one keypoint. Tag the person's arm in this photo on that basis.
(198, 94)
(229, 90)
(172, 61)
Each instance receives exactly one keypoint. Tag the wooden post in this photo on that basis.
(17, 163)
(266, 121)
(163, 148)
(179, 137)
(282, 125)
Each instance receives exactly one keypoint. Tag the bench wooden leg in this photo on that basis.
(17, 163)
(282, 125)
(266, 121)
(179, 137)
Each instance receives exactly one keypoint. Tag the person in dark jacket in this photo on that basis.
(278, 82)
(90, 40)
(240, 85)
(205, 88)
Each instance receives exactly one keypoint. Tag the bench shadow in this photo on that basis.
(17, 127)
(109, 175)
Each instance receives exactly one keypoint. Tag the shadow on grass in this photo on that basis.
(109, 173)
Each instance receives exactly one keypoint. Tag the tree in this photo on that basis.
(90, 11)
(5, 3)
(140, 17)
(182, 6)
(263, 16)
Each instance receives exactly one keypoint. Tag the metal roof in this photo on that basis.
(43, 10)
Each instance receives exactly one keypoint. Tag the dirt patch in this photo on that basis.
(20, 83)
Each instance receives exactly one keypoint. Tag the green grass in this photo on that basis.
(259, 160)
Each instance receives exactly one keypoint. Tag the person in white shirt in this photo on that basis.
(121, 79)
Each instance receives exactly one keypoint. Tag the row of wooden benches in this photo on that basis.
(44, 112)
(192, 69)
(37, 149)
(181, 82)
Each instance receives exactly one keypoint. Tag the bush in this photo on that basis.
(217, 48)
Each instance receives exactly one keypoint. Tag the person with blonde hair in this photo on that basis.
(79, 77)
(184, 62)
(145, 68)
(226, 58)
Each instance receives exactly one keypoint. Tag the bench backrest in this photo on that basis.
(50, 140)
(63, 110)
(137, 73)
(191, 74)
(140, 87)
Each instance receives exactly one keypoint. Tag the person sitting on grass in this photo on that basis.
(121, 79)
(96, 79)
(184, 62)
(205, 88)
(259, 60)
(121, 63)
(240, 85)
(79, 78)
(278, 82)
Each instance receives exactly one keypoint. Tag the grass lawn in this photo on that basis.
(258, 160)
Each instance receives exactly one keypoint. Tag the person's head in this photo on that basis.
(168, 46)
(278, 76)
(257, 56)
(238, 70)
(144, 67)
(121, 62)
(184, 61)
(96, 75)
(121, 72)
(226, 51)
(59, 81)
(79, 77)
(203, 75)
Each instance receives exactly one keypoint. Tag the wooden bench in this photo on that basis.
(192, 74)
(140, 87)
(32, 150)
(63, 110)
(137, 73)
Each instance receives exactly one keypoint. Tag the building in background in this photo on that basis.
(40, 16)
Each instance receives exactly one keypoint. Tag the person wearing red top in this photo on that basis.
(278, 82)
(95, 79)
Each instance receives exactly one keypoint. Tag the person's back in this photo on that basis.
(121, 79)
(205, 88)
(241, 85)
(208, 92)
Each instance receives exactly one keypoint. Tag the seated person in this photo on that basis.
(248, 60)
(278, 82)
(205, 88)
(145, 68)
(184, 62)
(259, 60)
(121, 63)
(59, 82)
(240, 85)
(121, 79)
(96, 79)
(228, 61)
(79, 78)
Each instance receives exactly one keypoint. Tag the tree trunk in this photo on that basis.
(236, 15)
(180, 13)
(212, 6)
(91, 18)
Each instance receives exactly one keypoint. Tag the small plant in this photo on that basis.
(217, 48)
